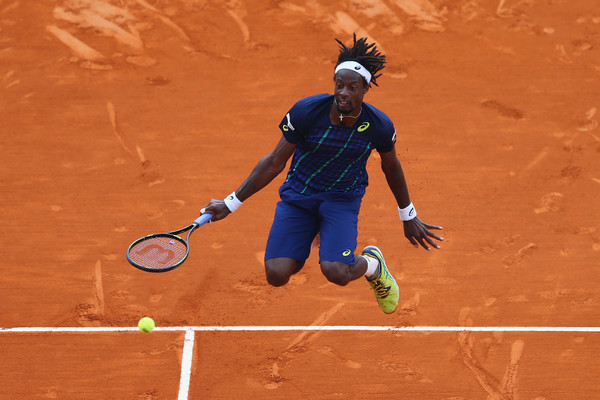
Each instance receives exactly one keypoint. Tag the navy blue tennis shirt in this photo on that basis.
(330, 158)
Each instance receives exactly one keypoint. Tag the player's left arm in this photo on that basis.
(415, 230)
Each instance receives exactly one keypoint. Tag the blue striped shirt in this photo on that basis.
(331, 158)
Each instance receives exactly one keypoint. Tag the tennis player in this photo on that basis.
(329, 138)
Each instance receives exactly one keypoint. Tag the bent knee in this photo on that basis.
(336, 272)
(279, 270)
(276, 278)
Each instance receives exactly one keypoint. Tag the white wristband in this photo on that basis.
(407, 213)
(232, 202)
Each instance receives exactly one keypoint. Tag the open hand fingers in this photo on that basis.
(417, 232)
(431, 242)
(439, 228)
(424, 239)
(413, 241)
(433, 235)
(422, 243)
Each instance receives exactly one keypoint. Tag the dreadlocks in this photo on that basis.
(365, 54)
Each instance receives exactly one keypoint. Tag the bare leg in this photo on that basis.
(279, 270)
(341, 273)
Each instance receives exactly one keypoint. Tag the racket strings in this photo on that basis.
(158, 252)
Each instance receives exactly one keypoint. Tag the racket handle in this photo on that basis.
(204, 218)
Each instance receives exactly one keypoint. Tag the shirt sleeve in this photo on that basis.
(288, 129)
(385, 137)
(292, 124)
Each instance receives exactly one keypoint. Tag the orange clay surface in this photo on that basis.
(120, 118)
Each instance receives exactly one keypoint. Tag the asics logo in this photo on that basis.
(364, 126)
(285, 128)
(411, 212)
(347, 253)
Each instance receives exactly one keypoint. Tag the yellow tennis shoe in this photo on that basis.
(382, 282)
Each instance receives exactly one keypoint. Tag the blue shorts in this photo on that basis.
(299, 217)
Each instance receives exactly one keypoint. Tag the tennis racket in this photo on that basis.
(162, 252)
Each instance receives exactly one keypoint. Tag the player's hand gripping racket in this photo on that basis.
(162, 252)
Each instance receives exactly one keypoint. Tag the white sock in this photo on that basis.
(372, 264)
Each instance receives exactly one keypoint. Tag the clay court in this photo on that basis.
(120, 118)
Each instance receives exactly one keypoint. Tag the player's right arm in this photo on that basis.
(267, 169)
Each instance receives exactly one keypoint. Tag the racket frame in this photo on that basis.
(204, 218)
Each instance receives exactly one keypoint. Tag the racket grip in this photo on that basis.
(204, 218)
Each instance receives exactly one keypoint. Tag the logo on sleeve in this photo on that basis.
(347, 253)
(289, 123)
(363, 127)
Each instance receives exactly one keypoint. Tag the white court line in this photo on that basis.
(190, 332)
(276, 328)
(186, 365)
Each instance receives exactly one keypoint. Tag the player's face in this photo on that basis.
(349, 90)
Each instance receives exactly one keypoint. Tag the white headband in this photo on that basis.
(356, 67)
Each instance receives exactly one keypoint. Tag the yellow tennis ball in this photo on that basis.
(146, 324)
